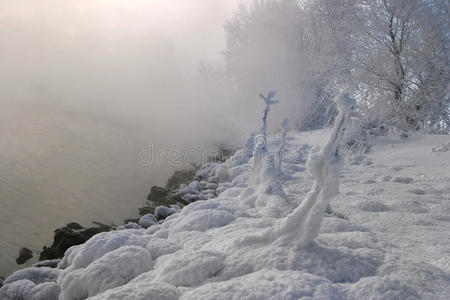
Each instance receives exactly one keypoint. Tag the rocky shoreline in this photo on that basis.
(183, 187)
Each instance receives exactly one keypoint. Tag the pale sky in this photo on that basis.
(130, 60)
(81, 51)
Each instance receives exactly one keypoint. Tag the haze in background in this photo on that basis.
(85, 85)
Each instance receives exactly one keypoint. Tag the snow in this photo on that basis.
(113, 269)
(202, 220)
(20, 289)
(35, 275)
(147, 220)
(385, 235)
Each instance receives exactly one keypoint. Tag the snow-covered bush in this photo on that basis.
(362, 129)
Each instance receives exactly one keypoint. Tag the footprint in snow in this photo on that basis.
(387, 178)
(441, 148)
(369, 181)
(373, 206)
(418, 192)
(405, 180)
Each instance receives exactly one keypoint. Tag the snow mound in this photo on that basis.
(35, 275)
(159, 247)
(102, 243)
(202, 220)
(141, 291)
(187, 268)
(20, 289)
(114, 269)
(265, 284)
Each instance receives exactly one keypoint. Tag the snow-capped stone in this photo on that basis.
(162, 212)
(129, 225)
(147, 220)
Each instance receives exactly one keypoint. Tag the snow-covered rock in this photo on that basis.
(162, 212)
(147, 220)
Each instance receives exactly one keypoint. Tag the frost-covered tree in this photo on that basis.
(402, 58)
(391, 54)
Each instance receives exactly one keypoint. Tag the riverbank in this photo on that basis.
(161, 202)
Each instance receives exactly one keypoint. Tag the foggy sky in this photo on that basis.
(130, 60)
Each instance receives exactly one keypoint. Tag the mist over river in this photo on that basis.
(62, 166)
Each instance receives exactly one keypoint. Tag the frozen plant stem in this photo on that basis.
(269, 101)
(303, 224)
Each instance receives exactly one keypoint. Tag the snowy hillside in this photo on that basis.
(386, 235)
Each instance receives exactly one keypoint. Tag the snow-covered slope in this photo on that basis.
(387, 235)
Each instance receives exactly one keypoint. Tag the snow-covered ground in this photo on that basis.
(387, 235)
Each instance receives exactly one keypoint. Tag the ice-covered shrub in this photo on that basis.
(363, 129)
(269, 101)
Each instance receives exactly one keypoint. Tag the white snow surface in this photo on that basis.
(388, 236)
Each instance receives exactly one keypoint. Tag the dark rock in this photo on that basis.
(105, 226)
(48, 253)
(180, 177)
(90, 232)
(146, 210)
(67, 237)
(162, 212)
(157, 194)
(74, 226)
(126, 221)
(1, 281)
(24, 255)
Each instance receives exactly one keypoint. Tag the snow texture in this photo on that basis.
(147, 220)
(264, 234)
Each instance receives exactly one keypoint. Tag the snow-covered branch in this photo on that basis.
(303, 224)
